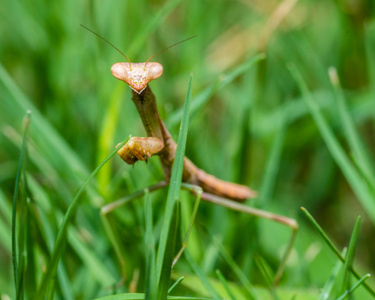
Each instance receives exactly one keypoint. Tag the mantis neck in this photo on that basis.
(148, 111)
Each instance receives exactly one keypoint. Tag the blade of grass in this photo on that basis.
(30, 245)
(197, 190)
(174, 285)
(370, 53)
(91, 259)
(349, 292)
(365, 197)
(199, 101)
(272, 166)
(106, 135)
(327, 289)
(333, 248)
(201, 275)
(261, 264)
(235, 268)
(348, 265)
(139, 296)
(17, 252)
(61, 237)
(47, 234)
(364, 163)
(165, 275)
(152, 25)
(175, 183)
(5, 235)
(225, 284)
(56, 144)
(151, 290)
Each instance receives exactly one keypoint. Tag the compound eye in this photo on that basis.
(121, 71)
(155, 70)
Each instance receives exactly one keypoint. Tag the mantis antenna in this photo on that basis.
(108, 43)
(125, 55)
(169, 47)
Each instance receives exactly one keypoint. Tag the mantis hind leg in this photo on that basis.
(261, 214)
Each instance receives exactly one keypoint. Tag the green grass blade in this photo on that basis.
(333, 248)
(235, 268)
(348, 265)
(354, 179)
(349, 292)
(185, 237)
(17, 252)
(140, 296)
(165, 275)
(151, 280)
(151, 26)
(56, 145)
(199, 101)
(91, 259)
(174, 285)
(175, 183)
(225, 284)
(370, 53)
(264, 270)
(61, 237)
(327, 289)
(354, 140)
(107, 135)
(272, 166)
(201, 275)
(5, 235)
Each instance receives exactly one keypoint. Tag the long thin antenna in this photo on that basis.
(107, 43)
(170, 47)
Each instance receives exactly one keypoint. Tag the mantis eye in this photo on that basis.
(120, 71)
(154, 70)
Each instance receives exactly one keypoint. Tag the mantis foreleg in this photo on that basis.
(140, 148)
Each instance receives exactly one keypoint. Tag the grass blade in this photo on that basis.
(359, 151)
(354, 179)
(164, 281)
(175, 184)
(349, 292)
(272, 165)
(264, 270)
(333, 248)
(201, 275)
(151, 26)
(174, 285)
(199, 101)
(198, 191)
(235, 268)
(61, 237)
(151, 280)
(225, 284)
(19, 197)
(140, 296)
(350, 257)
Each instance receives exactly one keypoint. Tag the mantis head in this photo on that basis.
(137, 75)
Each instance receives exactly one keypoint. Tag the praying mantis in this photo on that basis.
(159, 142)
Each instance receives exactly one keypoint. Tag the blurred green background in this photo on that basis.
(249, 124)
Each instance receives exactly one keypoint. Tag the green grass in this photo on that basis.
(286, 108)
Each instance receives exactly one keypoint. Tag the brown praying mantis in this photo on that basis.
(159, 142)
